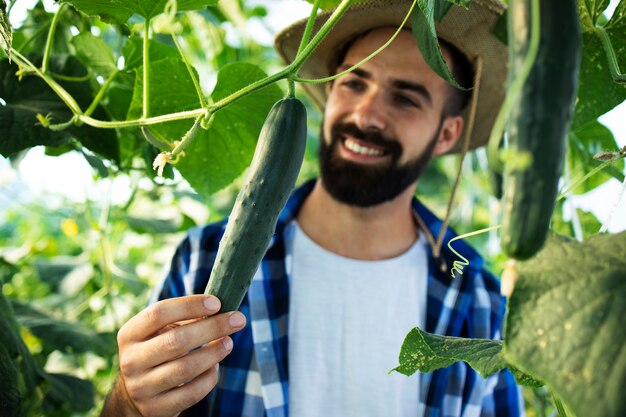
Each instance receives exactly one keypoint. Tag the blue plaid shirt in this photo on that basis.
(254, 378)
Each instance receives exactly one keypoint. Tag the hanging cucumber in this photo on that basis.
(539, 121)
(271, 177)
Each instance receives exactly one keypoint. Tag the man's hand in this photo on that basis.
(169, 356)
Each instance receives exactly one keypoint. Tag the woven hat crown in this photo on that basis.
(469, 30)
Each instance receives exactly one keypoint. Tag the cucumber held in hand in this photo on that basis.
(539, 121)
(271, 177)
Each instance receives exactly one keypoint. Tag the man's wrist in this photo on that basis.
(118, 403)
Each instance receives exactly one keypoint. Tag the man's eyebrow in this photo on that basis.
(357, 71)
(418, 88)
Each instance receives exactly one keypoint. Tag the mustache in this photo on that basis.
(375, 137)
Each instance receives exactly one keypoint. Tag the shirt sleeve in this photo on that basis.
(505, 399)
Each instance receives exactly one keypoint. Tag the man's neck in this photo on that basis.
(378, 232)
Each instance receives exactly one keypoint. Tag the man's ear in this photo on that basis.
(451, 130)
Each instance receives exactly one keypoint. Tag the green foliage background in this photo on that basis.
(72, 273)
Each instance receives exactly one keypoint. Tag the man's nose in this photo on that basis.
(370, 113)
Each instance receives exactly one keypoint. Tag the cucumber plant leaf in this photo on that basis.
(133, 52)
(180, 95)
(6, 34)
(94, 53)
(598, 92)
(119, 11)
(426, 352)
(220, 154)
(25, 99)
(76, 395)
(62, 335)
(423, 20)
(583, 144)
(565, 322)
(588, 222)
(217, 156)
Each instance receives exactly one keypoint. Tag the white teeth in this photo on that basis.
(362, 150)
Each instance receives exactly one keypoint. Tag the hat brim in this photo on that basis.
(470, 30)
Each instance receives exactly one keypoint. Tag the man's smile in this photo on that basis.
(359, 150)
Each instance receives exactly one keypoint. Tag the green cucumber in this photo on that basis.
(539, 122)
(271, 177)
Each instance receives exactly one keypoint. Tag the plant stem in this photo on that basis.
(196, 84)
(291, 88)
(205, 112)
(188, 138)
(515, 88)
(309, 27)
(616, 74)
(364, 60)
(458, 265)
(53, 27)
(577, 183)
(320, 35)
(146, 67)
(102, 124)
(70, 78)
(100, 94)
(560, 406)
(60, 91)
(291, 68)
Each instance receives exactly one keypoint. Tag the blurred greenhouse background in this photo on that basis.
(83, 241)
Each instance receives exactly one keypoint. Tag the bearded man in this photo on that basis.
(349, 271)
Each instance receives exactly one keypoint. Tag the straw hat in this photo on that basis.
(469, 30)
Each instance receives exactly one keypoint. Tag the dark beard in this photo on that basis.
(366, 185)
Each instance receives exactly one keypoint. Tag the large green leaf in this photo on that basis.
(171, 89)
(565, 322)
(25, 99)
(94, 53)
(10, 398)
(68, 393)
(423, 20)
(16, 356)
(119, 11)
(32, 34)
(583, 144)
(597, 92)
(588, 222)
(426, 352)
(62, 335)
(219, 155)
(133, 52)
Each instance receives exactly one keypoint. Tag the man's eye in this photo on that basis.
(405, 101)
(353, 84)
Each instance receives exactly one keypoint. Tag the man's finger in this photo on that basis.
(186, 368)
(178, 399)
(179, 341)
(166, 312)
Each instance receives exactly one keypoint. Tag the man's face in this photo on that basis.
(383, 122)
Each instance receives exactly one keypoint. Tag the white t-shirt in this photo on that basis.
(347, 321)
